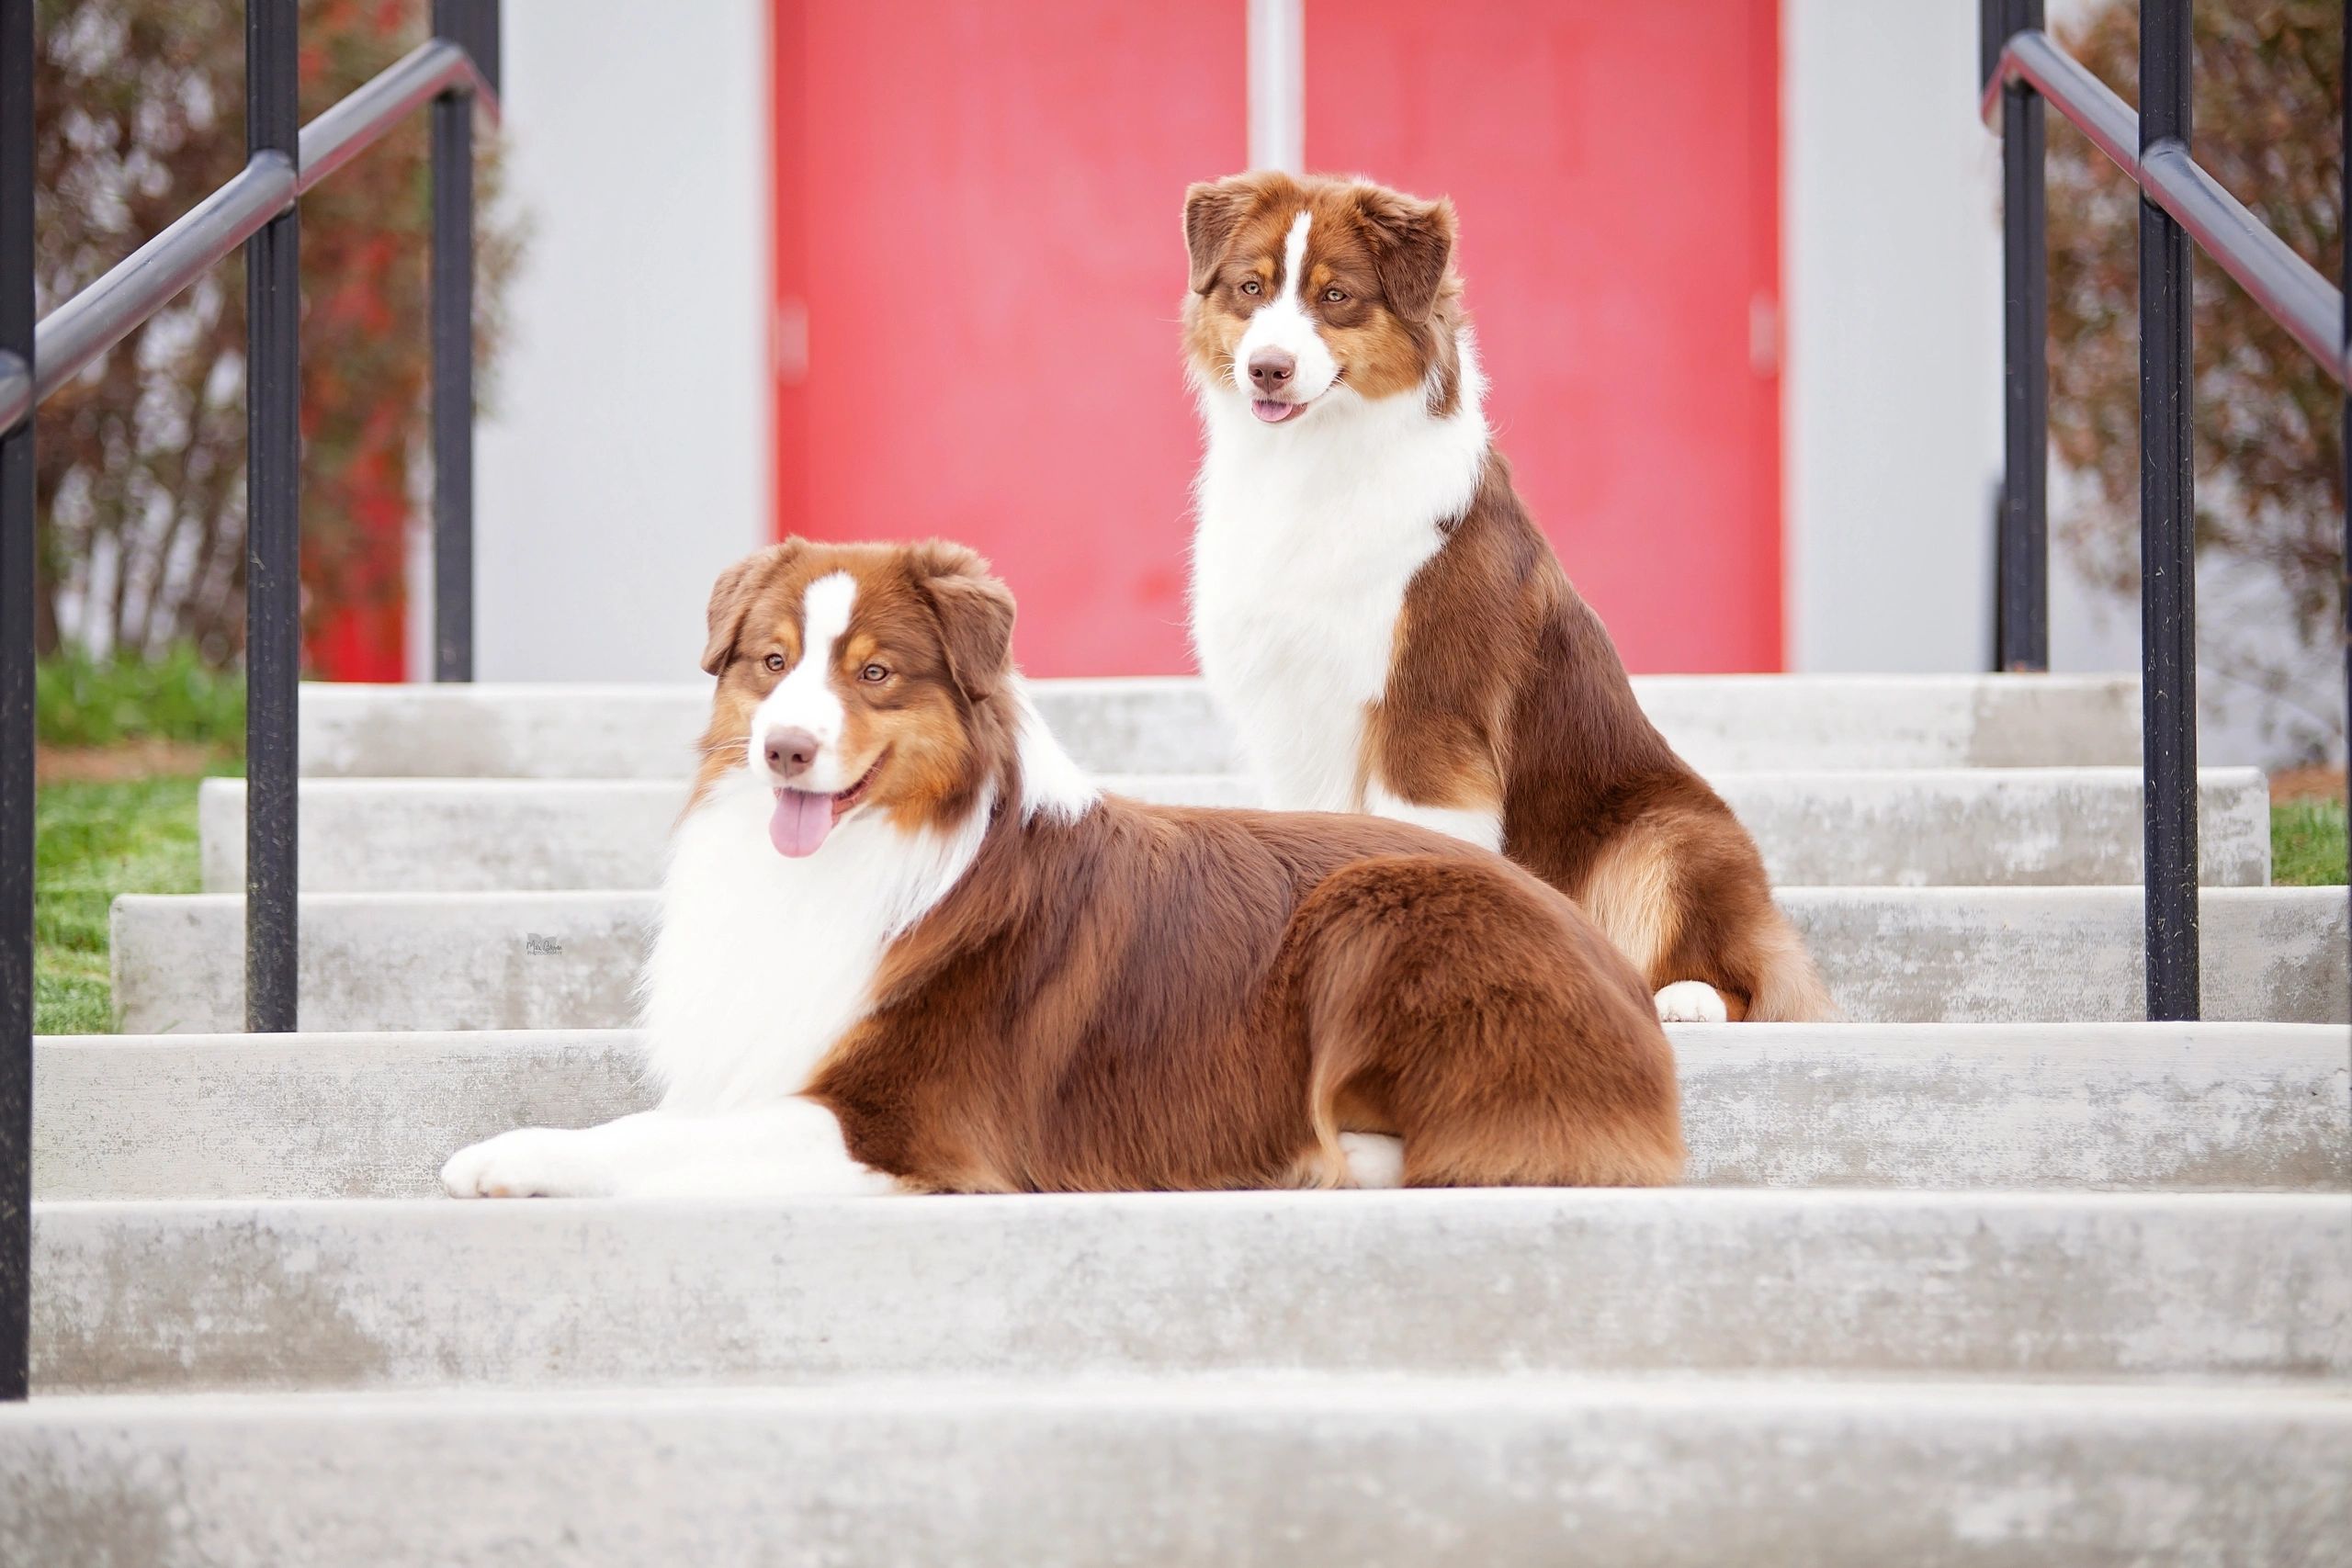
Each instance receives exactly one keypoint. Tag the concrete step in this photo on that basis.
(1375, 1472)
(1168, 725)
(1913, 828)
(368, 1294)
(406, 961)
(1923, 1106)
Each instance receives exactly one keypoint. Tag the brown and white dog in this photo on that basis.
(905, 944)
(1387, 627)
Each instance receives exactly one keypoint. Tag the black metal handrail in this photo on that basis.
(454, 71)
(109, 310)
(2179, 202)
(2283, 283)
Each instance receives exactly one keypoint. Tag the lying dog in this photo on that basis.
(1390, 630)
(905, 944)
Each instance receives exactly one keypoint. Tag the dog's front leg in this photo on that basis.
(794, 1148)
(565, 1162)
(1481, 825)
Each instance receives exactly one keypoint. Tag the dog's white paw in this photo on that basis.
(530, 1162)
(1691, 1001)
(1375, 1159)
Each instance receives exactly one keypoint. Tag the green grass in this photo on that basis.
(2307, 843)
(81, 701)
(96, 841)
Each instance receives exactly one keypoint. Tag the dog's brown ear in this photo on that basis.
(975, 612)
(1213, 210)
(731, 596)
(1412, 245)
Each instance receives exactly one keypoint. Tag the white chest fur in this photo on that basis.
(1308, 536)
(762, 961)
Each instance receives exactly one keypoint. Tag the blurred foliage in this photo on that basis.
(2269, 462)
(83, 701)
(139, 115)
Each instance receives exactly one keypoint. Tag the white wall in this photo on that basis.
(1892, 271)
(626, 458)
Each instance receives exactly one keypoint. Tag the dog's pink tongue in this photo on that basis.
(801, 821)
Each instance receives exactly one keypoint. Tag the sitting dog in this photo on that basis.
(1387, 628)
(905, 944)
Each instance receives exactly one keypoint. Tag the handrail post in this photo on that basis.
(2167, 536)
(473, 26)
(2022, 617)
(16, 733)
(273, 533)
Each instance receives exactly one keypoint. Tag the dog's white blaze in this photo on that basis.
(1295, 260)
(804, 698)
(1309, 533)
(1282, 322)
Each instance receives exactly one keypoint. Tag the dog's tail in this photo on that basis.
(1789, 989)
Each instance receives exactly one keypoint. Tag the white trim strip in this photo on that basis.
(1278, 84)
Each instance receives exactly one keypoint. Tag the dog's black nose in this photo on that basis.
(1270, 368)
(790, 752)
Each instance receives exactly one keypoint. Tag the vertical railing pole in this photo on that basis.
(16, 702)
(2023, 557)
(273, 533)
(473, 25)
(2167, 536)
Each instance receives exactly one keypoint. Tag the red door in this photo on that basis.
(979, 221)
(1616, 168)
(978, 271)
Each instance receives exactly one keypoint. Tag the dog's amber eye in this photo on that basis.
(1251, 287)
(874, 674)
(1337, 296)
(775, 661)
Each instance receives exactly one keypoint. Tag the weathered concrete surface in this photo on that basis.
(455, 834)
(1374, 1472)
(2110, 1106)
(1155, 724)
(1967, 826)
(1964, 955)
(568, 960)
(396, 961)
(366, 1293)
(306, 1115)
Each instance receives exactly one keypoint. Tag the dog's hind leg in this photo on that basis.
(1375, 1159)
(1683, 895)
(1473, 1009)
(1691, 1001)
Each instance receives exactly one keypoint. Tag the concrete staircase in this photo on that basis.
(1992, 1274)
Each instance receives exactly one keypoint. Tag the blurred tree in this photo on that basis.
(138, 115)
(2268, 457)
